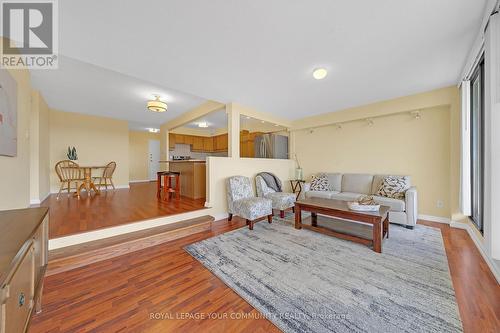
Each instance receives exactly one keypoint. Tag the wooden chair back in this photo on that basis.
(68, 170)
(109, 170)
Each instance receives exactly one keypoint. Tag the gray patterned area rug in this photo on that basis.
(304, 281)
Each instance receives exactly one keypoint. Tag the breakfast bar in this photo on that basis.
(193, 177)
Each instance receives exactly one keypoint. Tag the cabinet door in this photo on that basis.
(188, 139)
(208, 144)
(171, 140)
(197, 143)
(224, 142)
(21, 288)
(179, 138)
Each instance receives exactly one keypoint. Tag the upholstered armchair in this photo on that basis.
(242, 202)
(280, 200)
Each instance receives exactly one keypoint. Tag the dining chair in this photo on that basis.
(68, 172)
(107, 175)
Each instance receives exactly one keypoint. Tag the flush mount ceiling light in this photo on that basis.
(320, 73)
(156, 105)
(153, 130)
(203, 124)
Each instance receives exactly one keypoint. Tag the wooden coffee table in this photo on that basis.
(339, 209)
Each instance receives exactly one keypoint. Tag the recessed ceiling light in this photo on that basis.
(153, 130)
(276, 125)
(203, 124)
(247, 117)
(262, 121)
(320, 73)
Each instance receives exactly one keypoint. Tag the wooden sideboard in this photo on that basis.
(24, 235)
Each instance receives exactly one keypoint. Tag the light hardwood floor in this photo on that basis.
(121, 294)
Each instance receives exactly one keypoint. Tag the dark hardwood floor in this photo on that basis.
(70, 215)
(121, 294)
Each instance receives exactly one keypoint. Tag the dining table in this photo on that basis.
(88, 184)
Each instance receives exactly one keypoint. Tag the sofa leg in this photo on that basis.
(282, 214)
(250, 224)
(293, 209)
(269, 218)
(409, 227)
(230, 217)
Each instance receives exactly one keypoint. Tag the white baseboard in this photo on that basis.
(431, 218)
(220, 216)
(480, 246)
(38, 201)
(142, 181)
(102, 189)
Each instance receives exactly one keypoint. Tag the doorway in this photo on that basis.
(154, 158)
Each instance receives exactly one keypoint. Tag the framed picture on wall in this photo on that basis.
(8, 114)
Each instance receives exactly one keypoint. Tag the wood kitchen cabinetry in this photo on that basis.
(23, 262)
(203, 144)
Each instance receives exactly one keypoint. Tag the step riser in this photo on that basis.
(64, 264)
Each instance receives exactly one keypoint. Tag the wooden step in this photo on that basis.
(71, 257)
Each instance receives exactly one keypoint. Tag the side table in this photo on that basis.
(296, 185)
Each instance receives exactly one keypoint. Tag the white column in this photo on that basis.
(233, 130)
(492, 137)
(465, 182)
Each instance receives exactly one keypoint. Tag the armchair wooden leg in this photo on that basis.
(230, 217)
(270, 218)
(282, 214)
(293, 209)
(250, 225)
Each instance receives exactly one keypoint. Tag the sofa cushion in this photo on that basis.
(357, 183)
(346, 196)
(396, 205)
(319, 182)
(320, 194)
(378, 179)
(394, 187)
(334, 181)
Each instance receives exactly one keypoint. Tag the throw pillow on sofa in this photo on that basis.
(319, 182)
(394, 187)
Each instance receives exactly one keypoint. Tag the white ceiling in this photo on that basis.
(217, 120)
(84, 88)
(261, 53)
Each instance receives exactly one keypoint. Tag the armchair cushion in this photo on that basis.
(281, 200)
(253, 208)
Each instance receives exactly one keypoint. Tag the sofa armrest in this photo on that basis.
(411, 201)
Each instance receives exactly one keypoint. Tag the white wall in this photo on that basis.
(219, 169)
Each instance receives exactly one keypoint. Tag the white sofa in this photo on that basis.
(350, 186)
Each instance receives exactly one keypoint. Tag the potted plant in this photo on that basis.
(72, 155)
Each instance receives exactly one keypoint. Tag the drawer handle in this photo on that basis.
(22, 299)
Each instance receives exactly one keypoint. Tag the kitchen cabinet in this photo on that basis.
(212, 144)
(208, 144)
(171, 141)
(221, 142)
(197, 144)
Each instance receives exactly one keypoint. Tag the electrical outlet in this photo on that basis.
(440, 204)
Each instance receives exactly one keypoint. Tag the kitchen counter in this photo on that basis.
(193, 177)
